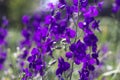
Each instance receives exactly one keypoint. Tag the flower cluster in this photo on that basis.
(44, 32)
(3, 43)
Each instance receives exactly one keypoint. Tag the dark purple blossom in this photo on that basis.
(35, 51)
(5, 21)
(70, 33)
(90, 39)
(26, 33)
(95, 25)
(69, 54)
(75, 2)
(117, 2)
(78, 51)
(88, 65)
(3, 42)
(25, 54)
(25, 19)
(100, 5)
(3, 34)
(36, 64)
(62, 1)
(3, 57)
(62, 66)
(84, 3)
(91, 12)
(116, 6)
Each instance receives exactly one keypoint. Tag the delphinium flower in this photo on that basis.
(2, 59)
(34, 36)
(30, 34)
(116, 6)
(25, 44)
(3, 34)
(79, 49)
(3, 42)
(46, 30)
(100, 68)
(62, 67)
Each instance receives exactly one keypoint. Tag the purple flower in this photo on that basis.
(51, 5)
(62, 1)
(25, 19)
(26, 33)
(25, 54)
(70, 33)
(84, 74)
(79, 51)
(69, 10)
(90, 39)
(75, 2)
(40, 34)
(27, 74)
(95, 56)
(100, 5)
(25, 43)
(46, 32)
(35, 51)
(3, 34)
(88, 65)
(105, 48)
(116, 6)
(73, 47)
(48, 19)
(62, 66)
(5, 22)
(31, 58)
(91, 12)
(39, 66)
(3, 57)
(95, 25)
(69, 54)
(84, 3)
(36, 64)
(80, 47)
(58, 16)
(117, 2)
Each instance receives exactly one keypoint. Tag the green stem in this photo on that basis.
(72, 70)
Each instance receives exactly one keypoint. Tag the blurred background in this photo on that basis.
(109, 37)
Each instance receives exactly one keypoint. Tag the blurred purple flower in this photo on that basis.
(105, 48)
(25, 19)
(3, 34)
(3, 57)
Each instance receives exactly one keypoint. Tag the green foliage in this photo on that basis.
(17, 8)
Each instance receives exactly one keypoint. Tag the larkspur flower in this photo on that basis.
(3, 56)
(78, 50)
(47, 30)
(62, 66)
(117, 2)
(3, 34)
(5, 21)
(25, 19)
(116, 6)
(84, 3)
(3, 42)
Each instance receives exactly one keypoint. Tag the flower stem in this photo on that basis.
(72, 70)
